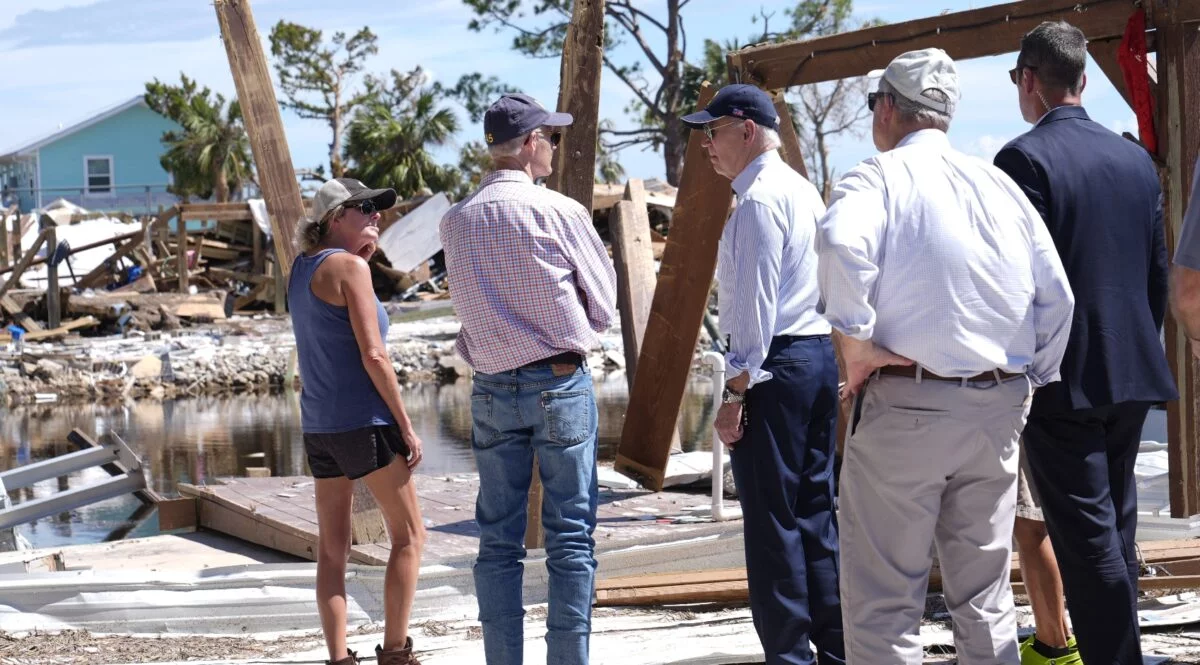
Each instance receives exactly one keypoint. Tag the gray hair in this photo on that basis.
(917, 113)
(770, 138)
(509, 148)
(1058, 50)
(312, 231)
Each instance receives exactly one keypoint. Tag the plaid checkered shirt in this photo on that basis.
(529, 276)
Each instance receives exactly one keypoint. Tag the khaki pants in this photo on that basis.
(931, 464)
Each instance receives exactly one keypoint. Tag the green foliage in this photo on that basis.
(317, 78)
(210, 157)
(387, 142)
(476, 93)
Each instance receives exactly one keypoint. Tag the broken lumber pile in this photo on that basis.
(1168, 565)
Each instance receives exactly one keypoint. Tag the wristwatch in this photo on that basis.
(730, 397)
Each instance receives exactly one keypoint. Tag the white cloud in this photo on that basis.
(986, 146)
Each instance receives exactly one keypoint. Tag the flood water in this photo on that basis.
(198, 440)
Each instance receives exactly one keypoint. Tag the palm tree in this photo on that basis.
(387, 141)
(211, 156)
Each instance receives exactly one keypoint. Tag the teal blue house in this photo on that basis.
(108, 162)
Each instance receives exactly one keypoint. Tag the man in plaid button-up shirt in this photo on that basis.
(532, 284)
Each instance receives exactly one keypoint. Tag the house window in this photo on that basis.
(99, 174)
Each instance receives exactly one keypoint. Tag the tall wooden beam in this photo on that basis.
(968, 34)
(680, 300)
(256, 93)
(5, 245)
(633, 258)
(579, 94)
(1179, 141)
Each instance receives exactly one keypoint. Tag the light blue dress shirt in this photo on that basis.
(767, 264)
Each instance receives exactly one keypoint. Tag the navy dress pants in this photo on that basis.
(783, 468)
(1082, 463)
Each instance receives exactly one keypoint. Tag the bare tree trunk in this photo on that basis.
(335, 149)
(220, 184)
(674, 148)
(826, 185)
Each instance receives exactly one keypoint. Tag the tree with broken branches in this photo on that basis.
(210, 156)
(823, 112)
(317, 79)
(540, 27)
(663, 82)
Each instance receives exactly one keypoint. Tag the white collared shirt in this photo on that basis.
(767, 263)
(940, 258)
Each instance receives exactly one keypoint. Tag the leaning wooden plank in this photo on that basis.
(633, 259)
(264, 124)
(673, 329)
(24, 263)
(11, 308)
(63, 330)
(100, 274)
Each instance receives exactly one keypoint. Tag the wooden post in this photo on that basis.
(181, 247)
(53, 305)
(15, 276)
(16, 238)
(5, 245)
(258, 265)
(256, 93)
(579, 94)
(575, 160)
(680, 300)
(633, 257)
(1179, 141)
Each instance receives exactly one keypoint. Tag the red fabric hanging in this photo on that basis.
(1134, 66)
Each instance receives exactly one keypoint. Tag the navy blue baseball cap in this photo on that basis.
(515, 115)
(739, 100)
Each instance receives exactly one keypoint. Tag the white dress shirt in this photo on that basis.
(940, 258)
(767, 264)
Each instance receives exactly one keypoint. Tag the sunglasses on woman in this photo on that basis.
(366, 207)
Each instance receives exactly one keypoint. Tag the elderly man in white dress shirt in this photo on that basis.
(783, 372)
(955, 307)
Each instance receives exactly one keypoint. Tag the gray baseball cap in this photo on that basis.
(517, 114)
(343, 191)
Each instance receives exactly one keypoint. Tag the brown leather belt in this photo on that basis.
(910, 371)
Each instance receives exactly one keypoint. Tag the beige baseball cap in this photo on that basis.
(914, 73)
(349, 191)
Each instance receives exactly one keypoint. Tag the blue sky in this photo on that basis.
(65, 59)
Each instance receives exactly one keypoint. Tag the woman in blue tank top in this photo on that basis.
(353, 418)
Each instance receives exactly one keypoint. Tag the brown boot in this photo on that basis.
(396, 656)
(352, 659)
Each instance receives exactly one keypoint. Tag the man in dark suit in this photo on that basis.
(1101, 199)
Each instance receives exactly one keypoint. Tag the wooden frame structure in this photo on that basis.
(986, 31)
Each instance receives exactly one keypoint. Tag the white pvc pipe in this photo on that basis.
(717, 361)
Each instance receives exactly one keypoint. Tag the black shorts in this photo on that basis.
(355, 453)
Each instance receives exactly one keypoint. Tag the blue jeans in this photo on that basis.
(515, 414)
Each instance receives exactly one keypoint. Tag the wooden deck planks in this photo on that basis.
(279, 512)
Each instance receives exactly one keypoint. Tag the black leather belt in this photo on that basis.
(564, 358)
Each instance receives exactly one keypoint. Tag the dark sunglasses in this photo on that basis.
(710, 131)
(873, 97)
(1015, 73)
(553, 138)
(366, 207)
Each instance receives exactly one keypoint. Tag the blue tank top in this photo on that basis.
(337, 394)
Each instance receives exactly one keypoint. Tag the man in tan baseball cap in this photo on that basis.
(954, 306)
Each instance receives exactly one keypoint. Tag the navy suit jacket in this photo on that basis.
(1100, 197)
